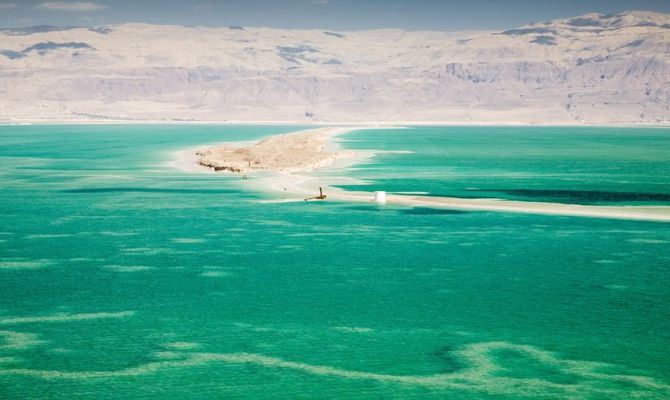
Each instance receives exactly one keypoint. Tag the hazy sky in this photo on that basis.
(448, 15)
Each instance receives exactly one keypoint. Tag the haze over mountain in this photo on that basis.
(588, 69)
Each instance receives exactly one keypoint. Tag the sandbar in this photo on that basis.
(301, 151)
(288, 165)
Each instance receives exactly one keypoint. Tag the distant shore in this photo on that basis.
(285, 166)
(366, 124)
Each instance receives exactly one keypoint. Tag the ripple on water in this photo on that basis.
(352, 329)
(48, 236)
(215, 274)
(128, 268)
(187, 240)
(648, 241)
(181, 345)
(19, 264)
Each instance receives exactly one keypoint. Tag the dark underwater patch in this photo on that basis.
(582, 195)
(431, 211)
(452, 363)
(371, 207)
(456, 195)
(406, 211)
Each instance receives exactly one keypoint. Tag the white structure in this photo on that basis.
(380, 197)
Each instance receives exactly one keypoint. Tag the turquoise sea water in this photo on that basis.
(607, 166)
(121, 277)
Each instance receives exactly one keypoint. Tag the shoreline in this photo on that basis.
(361, 124)
(297, 184)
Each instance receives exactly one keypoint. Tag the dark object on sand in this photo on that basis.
(321, 196)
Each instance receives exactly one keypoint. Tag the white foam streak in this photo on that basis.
(65, 317)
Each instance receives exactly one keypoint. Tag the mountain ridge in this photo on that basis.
(593, 68)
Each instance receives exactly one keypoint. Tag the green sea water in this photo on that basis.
(122, 277)
(600, 166)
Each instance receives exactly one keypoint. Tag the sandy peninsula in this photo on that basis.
(301, 151)
(290, 163)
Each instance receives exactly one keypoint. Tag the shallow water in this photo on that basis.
(606, 166)
(124, 278)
